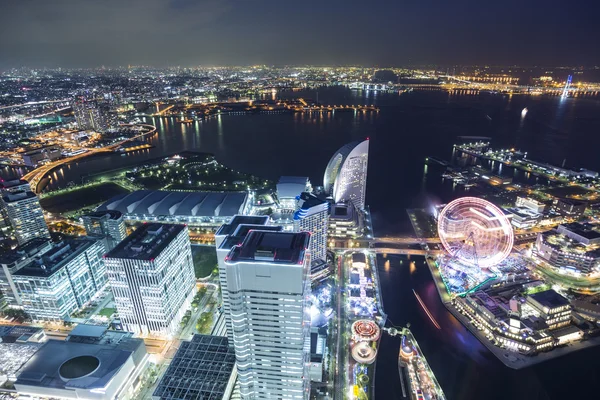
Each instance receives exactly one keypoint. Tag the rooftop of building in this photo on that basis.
(522, 212)
(584, 230)
(72, 365)
(146, 242)
(110, 214)
(13, 333)
(359, 257)
(277, 247)
(237, 220)
(562, 243)
(342, 211)
(201, 369)
(242, 231)
(550, 299)
(6, 185)
(289, 187)
(29, 249)
(97, 334)
(166, 203)
(572, 202)
(298, 180)
(55, 258)
(18, 196)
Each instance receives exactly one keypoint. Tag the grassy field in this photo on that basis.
(80, 198)
(107, 312)
(205, 260)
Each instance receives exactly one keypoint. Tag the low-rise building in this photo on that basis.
(582, 233)
(553, 308)
(570, 208)
(92, 363)
(562, 252)
(203, 368)
(192, 208)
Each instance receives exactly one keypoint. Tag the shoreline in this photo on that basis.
(511, 359)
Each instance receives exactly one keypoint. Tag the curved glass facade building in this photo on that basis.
(346, 174)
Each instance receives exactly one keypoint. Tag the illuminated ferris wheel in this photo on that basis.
(475, 232)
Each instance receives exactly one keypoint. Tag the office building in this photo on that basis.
(312, 215)
(192, 208)
(62, 280)
(290, 187)
(93, 363)
(109, 225)
(25, 215)
(268, 285)
(346, 174)
(226, 237)
(151, 275)
(203, 368)
(12, 261)
(90, 115)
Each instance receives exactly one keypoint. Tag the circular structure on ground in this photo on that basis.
(365, 330)
(363, 353)
(475, 232)
(78, 367)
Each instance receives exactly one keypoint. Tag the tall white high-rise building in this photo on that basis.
(151, 274)
(108, 224)
(268, 287)
(25, 215)
(346, 174)
(312, 215)
(226, 237)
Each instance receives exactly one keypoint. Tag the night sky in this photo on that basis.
(83, 33)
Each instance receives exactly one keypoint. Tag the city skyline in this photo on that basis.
(183, 32)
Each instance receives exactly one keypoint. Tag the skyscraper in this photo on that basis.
(107, 224)
(228, 236)
(151, 274)
(62, 280)
(90, 115)
(268, 286)
(312, 216)
(346, 174)
(25, 215)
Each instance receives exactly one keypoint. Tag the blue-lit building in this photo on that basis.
(312, 215)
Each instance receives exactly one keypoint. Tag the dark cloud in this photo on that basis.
(192, 32)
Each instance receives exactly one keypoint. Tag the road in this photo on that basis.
(35, 177)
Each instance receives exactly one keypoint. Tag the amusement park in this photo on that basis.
(495, 290)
